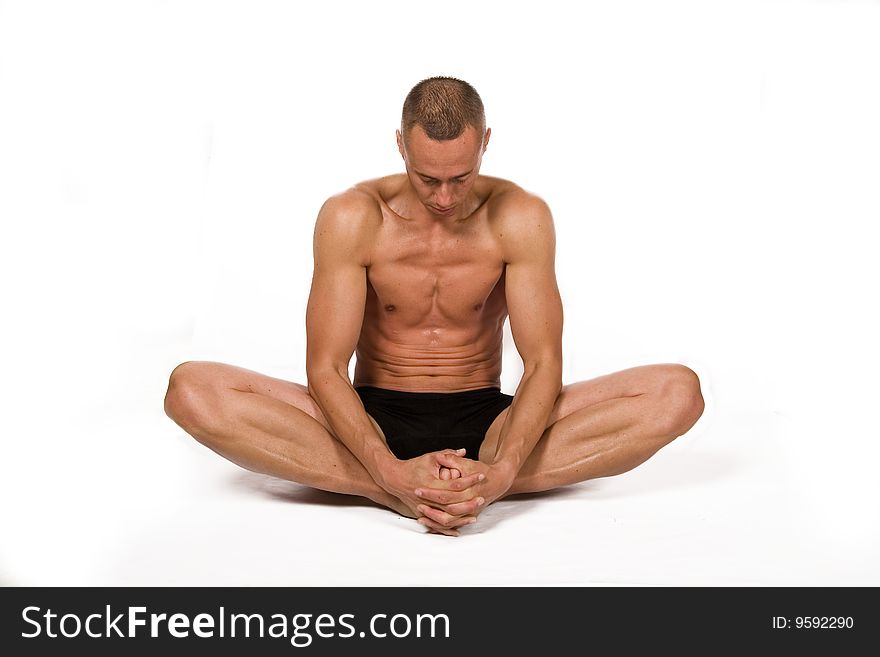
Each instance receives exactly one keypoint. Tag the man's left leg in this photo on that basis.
(607, 426)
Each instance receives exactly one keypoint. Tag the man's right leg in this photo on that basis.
(267, 425)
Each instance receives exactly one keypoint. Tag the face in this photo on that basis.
(442, 173)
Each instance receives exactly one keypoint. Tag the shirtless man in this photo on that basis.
(416, 272)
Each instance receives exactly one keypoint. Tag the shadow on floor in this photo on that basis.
(292, 492)
(672, 470)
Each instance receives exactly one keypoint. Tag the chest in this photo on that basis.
(447, 273)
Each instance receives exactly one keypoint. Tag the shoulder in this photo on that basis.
(513, 206)
(354, 207)
(348, 220)
(353, 211)
(521, 219)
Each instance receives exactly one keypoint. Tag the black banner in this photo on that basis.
(428, 621)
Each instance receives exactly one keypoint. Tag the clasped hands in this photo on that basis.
(446, 491)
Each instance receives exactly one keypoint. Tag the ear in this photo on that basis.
(486, 139)
(400, 147)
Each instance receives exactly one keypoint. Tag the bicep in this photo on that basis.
(535, 311)
(335, 310)
(335, 313)
(533, 301)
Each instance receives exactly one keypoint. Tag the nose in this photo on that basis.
(443, 197)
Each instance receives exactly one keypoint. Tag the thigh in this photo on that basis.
(221, 376)
(573, 397)
(631, 382)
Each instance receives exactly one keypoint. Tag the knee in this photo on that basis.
(682, 399)
(188, 398)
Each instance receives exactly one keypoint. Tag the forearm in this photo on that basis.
(349, 421)
(532, 404)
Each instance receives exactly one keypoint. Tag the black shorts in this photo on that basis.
(415, 423)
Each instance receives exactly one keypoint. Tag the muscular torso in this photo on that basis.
(435, 304)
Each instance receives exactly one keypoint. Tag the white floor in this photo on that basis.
(116, 494)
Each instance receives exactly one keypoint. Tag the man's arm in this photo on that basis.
(334, 316)
(535, 311)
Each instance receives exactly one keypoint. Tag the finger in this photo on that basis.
(443, 496)
(439, 516)
(456, 452)
(465, 481)
(458, 523)
(462, 484)
(467, 508)
(454, 473)
(434, 528)
(445, 474)
(454, 490)
(453, 461)
(452, 453)
(445, 520)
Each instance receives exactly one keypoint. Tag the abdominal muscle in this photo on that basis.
(434, 353)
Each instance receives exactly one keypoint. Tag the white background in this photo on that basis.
(713, 171)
